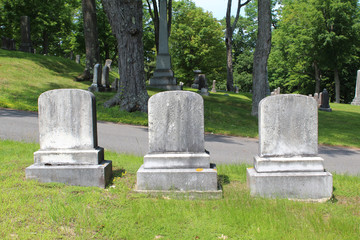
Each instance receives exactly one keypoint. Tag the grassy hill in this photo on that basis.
(24, 76)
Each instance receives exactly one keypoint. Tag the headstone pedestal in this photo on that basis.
(356, 100)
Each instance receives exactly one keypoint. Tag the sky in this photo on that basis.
(217, 7)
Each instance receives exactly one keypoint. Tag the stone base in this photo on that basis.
(195, 86)
(176, 160)
(95, 88)
(69, 157)
(313, 186)
(288, 164)
(325, 109)
(78, 175)
(167, 83)
(356, 101)
(177, 179)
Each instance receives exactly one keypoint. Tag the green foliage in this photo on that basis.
(196, 42)
(51, 23)
(313, 32)
(33, 210)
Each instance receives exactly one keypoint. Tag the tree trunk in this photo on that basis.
(45, 43)
(90, 35)
(337, 85)
(317, 77)
(229, 65)
(125, 17)
(261, 54)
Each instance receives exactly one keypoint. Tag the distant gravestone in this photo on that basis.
(108, 63)
(177, 159)
(325, 101)
(236, 89)
(69, 151)
(77, 59)
(202, 81)
(96, 85)
(7, 43)
(288, 164)
(356, 100)
(105, 78)
(195, 85)
(25, 45)
(213, 86)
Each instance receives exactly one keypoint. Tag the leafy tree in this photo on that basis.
(51, 22)
(125, 17)
(196, 42)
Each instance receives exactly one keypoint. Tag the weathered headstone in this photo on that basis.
(69, 151)
(108, 63)
(325, 101)
(77, 59)
(288, 164)
(177, 159)
(356, 100)
(213, 86)
(96, 85)
(25, 45)
(202, 81)
(105, 78)
(163, 77)
(195, 85)
(7, 43)
(236, 89)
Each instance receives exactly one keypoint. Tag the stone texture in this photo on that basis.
(356, 100)
(313, 186)
(69, 151)
(105, 77)
(176, 122)
(177, 160)
(288, 126)
(288, 164)
(213, 86)
(96, 85)
(78, 175)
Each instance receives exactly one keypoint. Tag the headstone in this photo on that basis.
(278, 90)
(204, 92)
(202, 81)
(181, 84)
(77, 59)
(163, 77)
(288, 165)
(105, 78)
(356, 100)
(177, 159)
(325, 101)
(7, 43)
(236, 89)
(195, 85)
(96, 85)
(69, 151)
(310, 95)
(25, 45)
(108, 63)
(213, 86)
(320, 99)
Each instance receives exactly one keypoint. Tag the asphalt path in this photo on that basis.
(23, 126)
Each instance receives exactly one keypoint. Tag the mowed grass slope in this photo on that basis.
(24, 76)
(32, 210)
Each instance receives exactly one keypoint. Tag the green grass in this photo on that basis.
(32, 210)
(24, 76)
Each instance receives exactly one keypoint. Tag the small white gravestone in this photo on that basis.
(288, 164)
(356, 100)
(69, 151)
(213, 86)
(177, 160)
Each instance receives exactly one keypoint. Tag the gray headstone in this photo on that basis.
(69, 150)
(176, 122)
(108, 63)
(202, 81)
(325, 106)
(25, 44)
(105, 77)
(236, 89)
(356, 100)
(96, 85)
(288, 126)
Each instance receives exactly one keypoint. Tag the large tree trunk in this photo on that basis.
(337, 85)
(317, 77)
(125, 17)
(91, 37)
(261, 54)
(229, 65)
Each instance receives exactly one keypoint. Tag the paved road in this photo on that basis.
(23, 126)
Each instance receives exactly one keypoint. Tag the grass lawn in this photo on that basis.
(24, 76)
(32, 210)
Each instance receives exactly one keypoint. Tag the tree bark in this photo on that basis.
(337, 85)
(261, 54)
(317, 77)
(91, 36)
(228, 42)
(125, 17)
